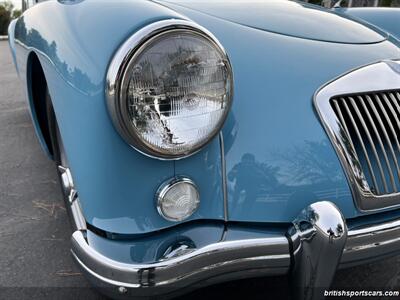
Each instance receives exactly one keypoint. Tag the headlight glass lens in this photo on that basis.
(178, 93)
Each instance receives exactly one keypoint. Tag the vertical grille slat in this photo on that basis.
(395, 117)
(361, 142)
(383, 129)
(392, 131)
(371, 122)
(341, 118)
(377, 136)
(375, 152)
(395, 102)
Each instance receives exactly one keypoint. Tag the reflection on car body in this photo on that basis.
(199, 142)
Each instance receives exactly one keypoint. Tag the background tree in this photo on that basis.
(16, 13)
(6, 15)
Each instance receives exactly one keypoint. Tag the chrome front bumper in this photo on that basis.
(311, 251)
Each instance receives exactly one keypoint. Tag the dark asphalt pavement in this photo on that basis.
(35, 261)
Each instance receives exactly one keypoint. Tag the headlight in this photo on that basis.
(169, 89)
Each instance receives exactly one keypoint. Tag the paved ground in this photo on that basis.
(35, 233)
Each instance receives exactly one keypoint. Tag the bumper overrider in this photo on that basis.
(317, 243)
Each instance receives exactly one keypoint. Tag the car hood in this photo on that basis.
(278, 157)
(286, 17)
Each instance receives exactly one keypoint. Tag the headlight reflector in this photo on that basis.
(175, 92)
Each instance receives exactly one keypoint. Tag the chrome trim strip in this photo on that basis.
(319, 239)
(374, 229)
(77, 215)
(264, 256)
(117, 71)
(377, 77)
(370, 243)
(224, 178)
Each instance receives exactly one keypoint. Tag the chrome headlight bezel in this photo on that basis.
(116, 83)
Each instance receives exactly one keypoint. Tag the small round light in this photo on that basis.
(177, 199)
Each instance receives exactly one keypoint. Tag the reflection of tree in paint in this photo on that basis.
(33, 38)
(312, 162)
(309, 171)
(251, 179)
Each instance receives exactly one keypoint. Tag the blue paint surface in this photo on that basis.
(278, 157)
(151, 248)
(291, 18)
(387, 19)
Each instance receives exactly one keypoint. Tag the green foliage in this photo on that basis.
(16, 13)
(6, 15)
(8, 6)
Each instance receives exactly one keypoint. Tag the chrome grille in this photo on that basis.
(360, 112)
(371, 123)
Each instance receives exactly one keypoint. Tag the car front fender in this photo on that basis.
(116, 184)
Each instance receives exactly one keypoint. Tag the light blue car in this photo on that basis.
(206, 141)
